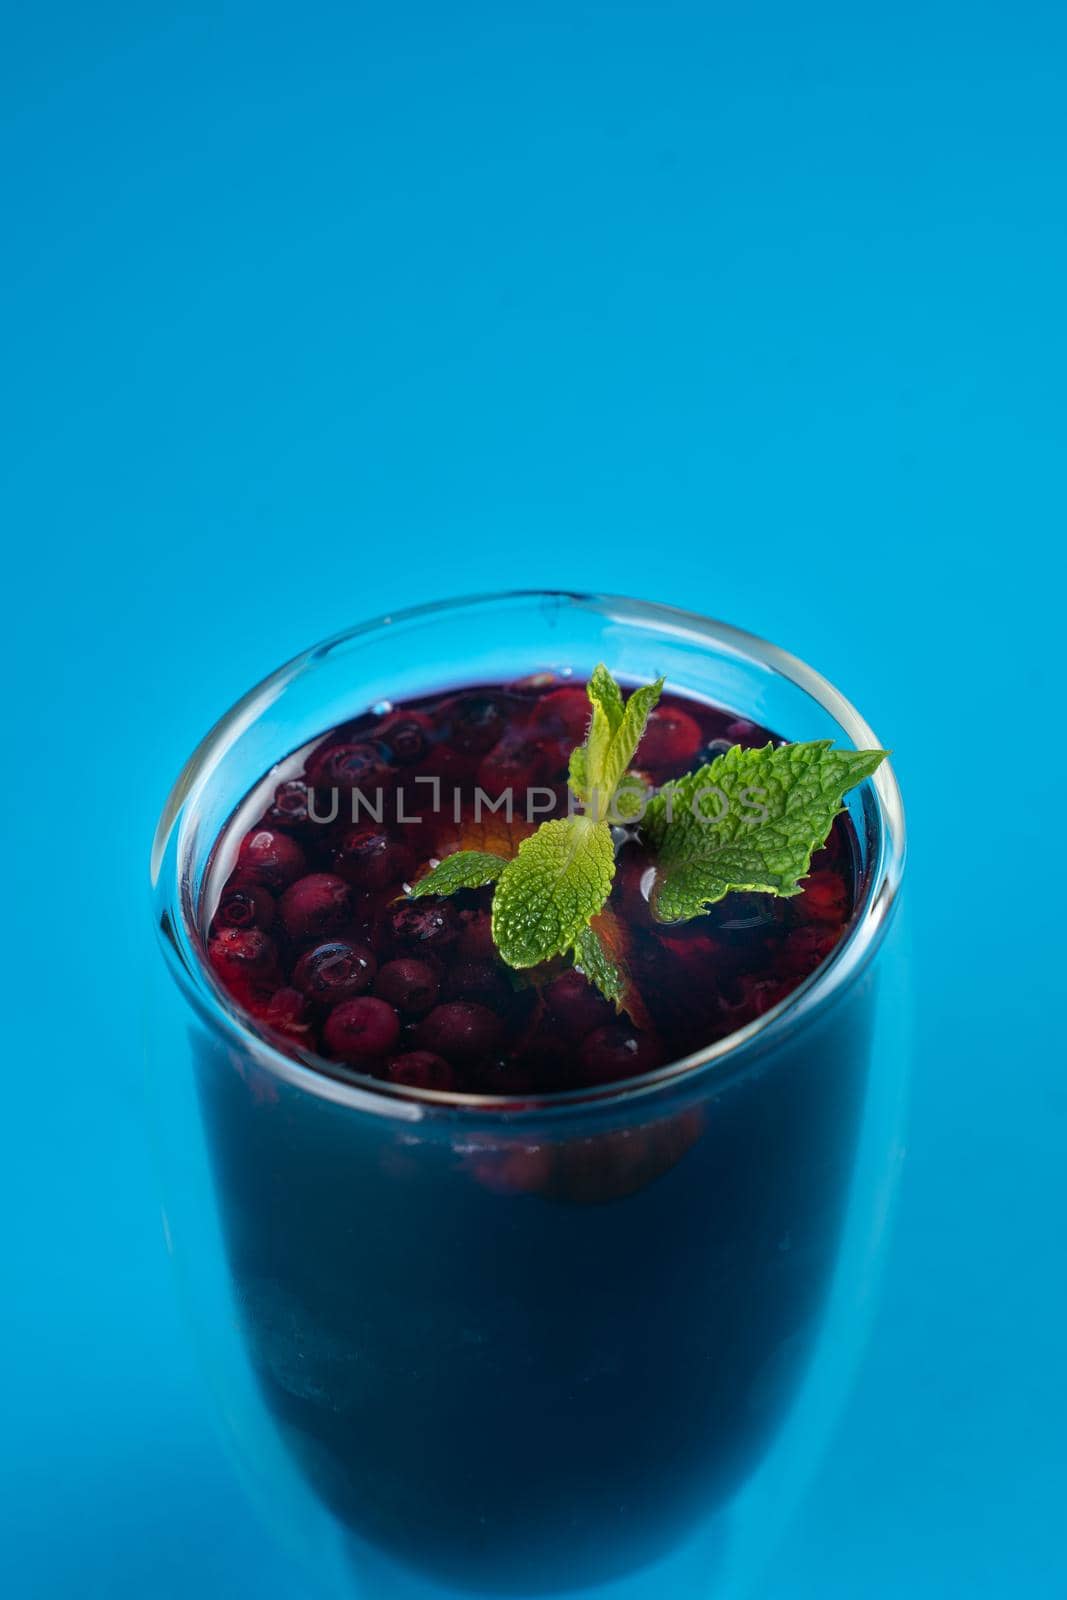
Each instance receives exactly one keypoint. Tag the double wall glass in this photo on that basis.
(463, 1346)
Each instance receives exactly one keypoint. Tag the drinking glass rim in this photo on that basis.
(180, 936)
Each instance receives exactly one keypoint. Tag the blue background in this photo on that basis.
(756, 309)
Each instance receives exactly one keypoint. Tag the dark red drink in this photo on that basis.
(515, 1349)
(313, 935)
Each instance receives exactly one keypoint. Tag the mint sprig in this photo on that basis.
(751, 819)
(598, 767)
(562, 875)
(548, 893)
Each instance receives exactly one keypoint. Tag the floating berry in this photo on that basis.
(671, 738)
(567, 710)
(473, 723)
(364, 766)
(369, 860)
(421, 1069)
(245, 905)
(516, 763)
(408, 984)
(361, 1029)
(618, 1050)
(243, 957)
(289, 808)
(335, 971)
(476, 936)
(476, 980)
(460, 1031)
(317, 906)
(576, 1006)
(406, 735)
(270, 858)
(420, 927)
(745, 734)
(284, 1012)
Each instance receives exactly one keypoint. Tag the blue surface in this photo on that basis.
(757, 310)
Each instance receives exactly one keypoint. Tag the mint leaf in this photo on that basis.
(626, 739)
(578, 772)
(750, 820)
(560, 878)
(466, 869)
(598, 766)
(604, 692)
(591, 958)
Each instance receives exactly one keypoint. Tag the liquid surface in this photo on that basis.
(312, 934)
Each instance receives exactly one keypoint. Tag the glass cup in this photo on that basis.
(466, 1346)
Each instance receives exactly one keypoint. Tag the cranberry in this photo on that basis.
(476, 938)
(575, 1005)
(418, 926)
(515, 763)
(243, 956)
(289, 809)
(334, 971)
(474, 722)
(476, 980)
(407, 984)
(825, 898)
(406, 735)
(745, 734)
(567, 709)
(421, 1069)
(369, 860)
(671, 738)
(245, 905)
(618, 1050)
(460, 1030)
(284, 1013)
(361, 1028)
(270, 858)
(317, 906)
(363, 766)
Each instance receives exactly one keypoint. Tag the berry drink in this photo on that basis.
(514, 1349)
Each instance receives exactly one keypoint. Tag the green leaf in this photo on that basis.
(604, 692)
(598, 766)
(597, 747)
(560, 878)
(578, 772)
(466, 869)
(627, 737)
(751, 820)
(591, 958)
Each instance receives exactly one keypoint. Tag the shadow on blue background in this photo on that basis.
(756, 310)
